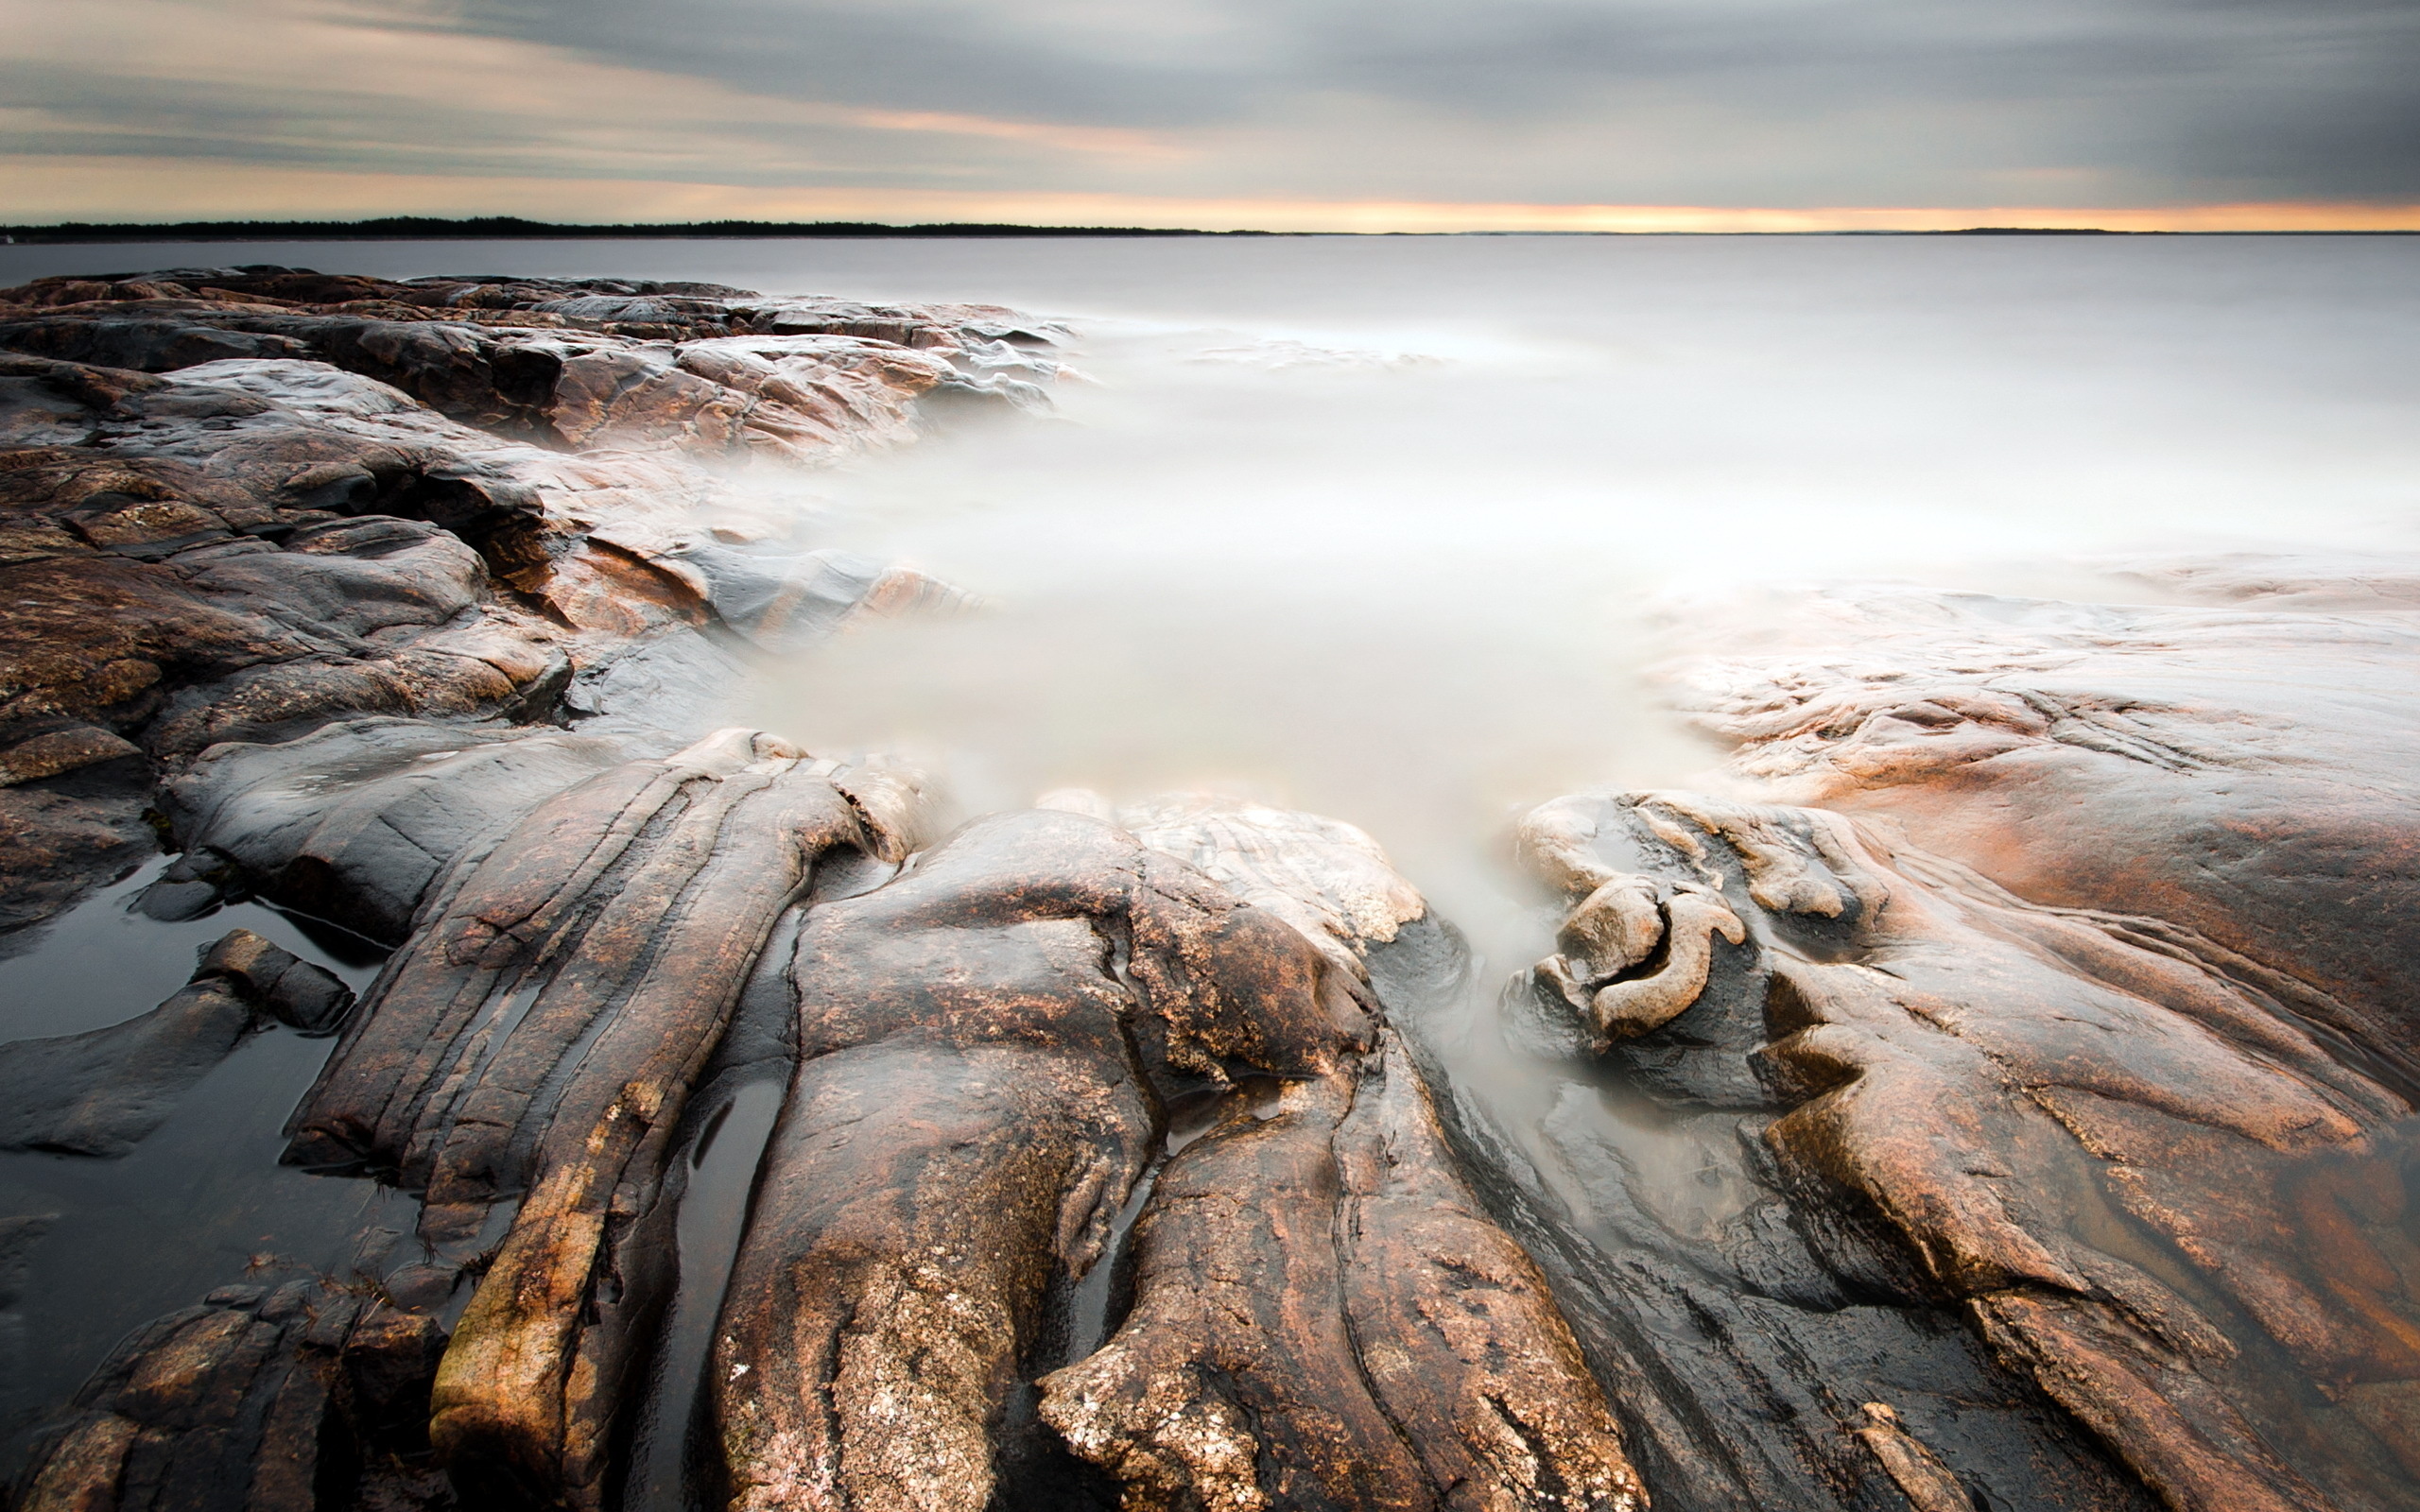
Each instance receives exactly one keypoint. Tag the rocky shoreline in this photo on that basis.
(1998, 1095)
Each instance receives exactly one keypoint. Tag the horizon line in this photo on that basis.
(91, 189)
(496, 228)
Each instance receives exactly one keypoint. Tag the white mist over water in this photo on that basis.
(1374, 528)
(1372, 525)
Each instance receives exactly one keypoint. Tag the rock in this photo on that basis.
(715, 371)
(1357, 1334)
(1327, 879)
(57, 846)
(70, 747)
(2108, 1140)
(2229, 790)
(781, 600)
(296, 993)
(352, 823)
(270, 1401)
(978, 1042)
(536, 1040)
(175, 628)
(102, 1091)
(2250, 775)
(230, 514)
(2272, 580)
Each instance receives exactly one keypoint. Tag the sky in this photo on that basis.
(1282, 114)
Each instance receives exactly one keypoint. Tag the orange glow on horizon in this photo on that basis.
(37, 190)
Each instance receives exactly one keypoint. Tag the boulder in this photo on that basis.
(353, 822)
(255, 1401)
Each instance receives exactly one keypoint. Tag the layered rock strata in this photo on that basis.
(526, 1059)
(288, 1400)
(2001, 1095)
(579, 364)
(1357, 1332)
(2068, 1022)
(309, 587)
(1321, 1318)
(242, 504)
(989, 1055)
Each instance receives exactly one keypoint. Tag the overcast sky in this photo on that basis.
(654, 108)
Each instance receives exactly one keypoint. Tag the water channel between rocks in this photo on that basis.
(1394, 531)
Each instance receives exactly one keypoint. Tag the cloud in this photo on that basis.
(1783, 103)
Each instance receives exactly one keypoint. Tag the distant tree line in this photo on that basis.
(489, 227)
(509, 227)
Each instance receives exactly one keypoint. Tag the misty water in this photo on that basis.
(1397, 530)
(1394, 528)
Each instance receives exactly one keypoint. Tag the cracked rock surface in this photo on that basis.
(2055, 1016)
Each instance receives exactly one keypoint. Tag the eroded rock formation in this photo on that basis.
(992, 1052)
(983, 1047)
(1356, 1332)
(309, 587)
(355, 822)
(528, 1056)
(240, 504)
(2067, 1021)
(570, 363)
(284, 1400)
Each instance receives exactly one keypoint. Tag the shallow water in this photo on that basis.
(1387, 528)
(202, 1201)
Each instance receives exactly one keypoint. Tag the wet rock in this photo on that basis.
(2298, 580)
(2244, 774)
(1357, 1334)
(525, 1059)
(177, 630)
(66, 747)
(294, 992)
(303, 1398)
(676, 681)
(56, 847)
(979, 1041)
(136, 624)
(102, 1091)
(1327, 879)
(779, 600)
(2110, 1143)
(355, 822)
(236, 515)
(887, 1296)
(714, 372)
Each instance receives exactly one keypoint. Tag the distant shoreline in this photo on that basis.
(508, 228)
